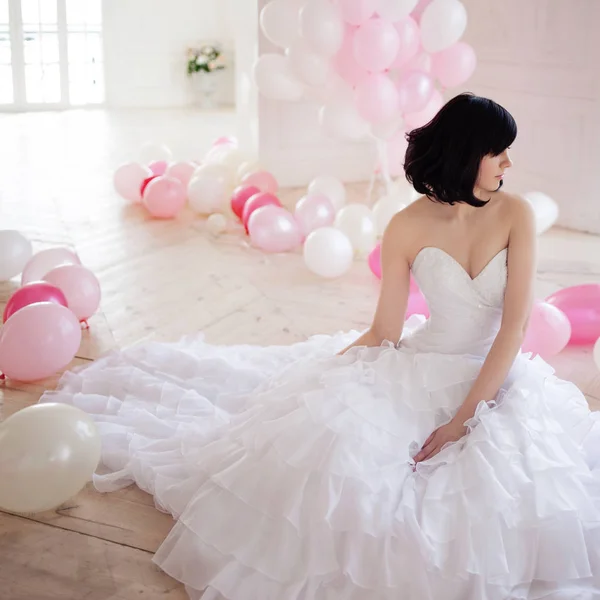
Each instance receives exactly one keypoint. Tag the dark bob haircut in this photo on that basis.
(443, 157)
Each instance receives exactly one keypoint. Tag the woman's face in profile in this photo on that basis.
(491, 171)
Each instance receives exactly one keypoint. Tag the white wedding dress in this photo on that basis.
(290, 472)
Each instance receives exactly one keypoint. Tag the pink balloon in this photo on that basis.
(581, 304)
(454, 65)
(159, 167)
(263, 180)
(45, 261)
(377, 98)
(357, 12)
(37, 291)
(415, 90)
(422, 117)
(226, 140)
(128, 180)
(274, 229)
(164, 197)
(409, 41)
(80, 287)
(417, 305)
(418, 10)
(374, 261)
(548, 332)
(183, 171)
(240, 196)
(345, 63)
(38, 341)
(313, 211)
(376, 45)
(255, 202)
(420, 62)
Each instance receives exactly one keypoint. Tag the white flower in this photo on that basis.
(201, 60)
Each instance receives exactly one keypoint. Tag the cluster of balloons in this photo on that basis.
(49, 452)
(41, 330)
(377, 67)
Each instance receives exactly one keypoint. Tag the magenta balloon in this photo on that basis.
(548, 331)
(375, 266)
(38, 341)
(80, 287)
(313, 211)
(240, 196)
(376, 44)
(37, 291)
(274, 229)
(581, 305)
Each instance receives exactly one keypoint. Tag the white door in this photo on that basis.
(50, 54)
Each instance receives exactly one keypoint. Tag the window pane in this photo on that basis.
(3, 12)
(86, 84)
(6, 85)
(33, 48)
(48, 14)
(50, 48)
(4, 50)
(42, 83)
(77, 48)
(30, 13)
(93, 48)
(84, 12)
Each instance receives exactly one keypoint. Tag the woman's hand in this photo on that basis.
(451, 432)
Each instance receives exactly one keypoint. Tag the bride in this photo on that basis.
(421, 460)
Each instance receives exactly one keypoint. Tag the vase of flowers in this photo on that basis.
(203, 64)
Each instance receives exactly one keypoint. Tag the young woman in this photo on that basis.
(426, 460)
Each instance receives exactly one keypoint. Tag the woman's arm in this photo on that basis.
(518, 299)
(388, 321)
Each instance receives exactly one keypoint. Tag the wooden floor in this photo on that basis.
(161, 280)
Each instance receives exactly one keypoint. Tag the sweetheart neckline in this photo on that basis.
(460, 266)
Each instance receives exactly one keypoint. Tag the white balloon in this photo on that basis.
(43, 262)
(210, 189)
(310, 67)
(356, 221)
(386, 130)
(331, 187)
(545, 209)
(395, 10)
(403, 190)
(15, 252)
(49, 452)
(216, 224)
(384, 210)
(275, 80)
(322, 26)
(226, 156)
(151, 152)
(442, 24)
(340, 118)
(280, 22)
(251, 166)
(328, 252)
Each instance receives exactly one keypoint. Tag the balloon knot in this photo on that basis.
(85, 324)
(2, 376)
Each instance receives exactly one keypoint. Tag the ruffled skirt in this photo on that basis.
(290, 472)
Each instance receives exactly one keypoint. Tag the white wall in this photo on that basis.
(145, 43)
(540, 59)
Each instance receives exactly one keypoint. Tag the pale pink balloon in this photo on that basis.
(420, 62)
(581, 305)
(38, 341)
(418, 10)
(422, 117)
(255, 202)
(344, 62)
(159, 167)
(375, 45)
(357, 12)
(417, 305)
(164, 197)
(226, 140)
(274, 229)
(313, 211)
(46, 260)
(183, 171)
(377, 98)
(396, 151)
(128, 180)
(263, 180)
(548, 331)
(415, 90)
(409, 41)
(80, 287)
(454, 65)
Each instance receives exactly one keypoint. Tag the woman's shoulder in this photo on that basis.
(513, 206)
